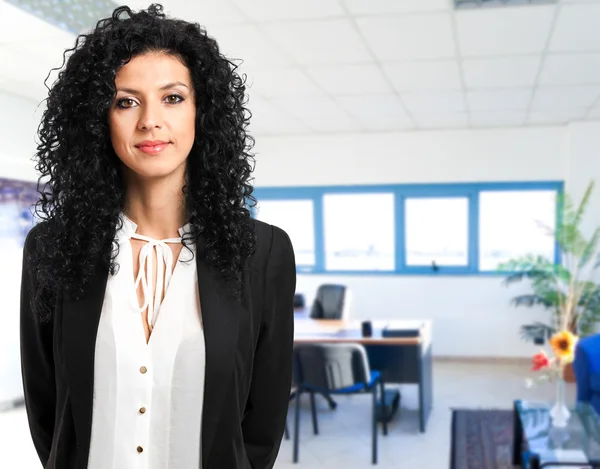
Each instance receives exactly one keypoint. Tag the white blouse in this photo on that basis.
(147, 407)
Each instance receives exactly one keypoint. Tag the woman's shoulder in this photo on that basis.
(38, 230)
(269, 239)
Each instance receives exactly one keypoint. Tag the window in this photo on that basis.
(359, 231)
(437, 231)
(296, 218)
(414, 229)
(515, 223)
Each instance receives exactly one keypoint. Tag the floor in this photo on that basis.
(345, 439)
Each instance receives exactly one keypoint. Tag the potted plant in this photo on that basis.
(567, 289)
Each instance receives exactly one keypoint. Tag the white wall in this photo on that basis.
(18, 123)
(472, 315)
(428, 157)
(584, 166)
(19, 119)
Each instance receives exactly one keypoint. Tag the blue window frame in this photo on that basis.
(457, 198)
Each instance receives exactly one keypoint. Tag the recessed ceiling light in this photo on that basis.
(466, 4)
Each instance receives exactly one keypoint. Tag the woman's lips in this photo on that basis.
(152, 149)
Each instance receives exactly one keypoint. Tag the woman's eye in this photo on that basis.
(173, 99)
(126, 103)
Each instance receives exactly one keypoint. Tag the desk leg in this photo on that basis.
(517, 437)
(425, 386)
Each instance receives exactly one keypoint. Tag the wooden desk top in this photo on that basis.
(308, 330)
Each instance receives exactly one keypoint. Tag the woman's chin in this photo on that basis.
(157, 170)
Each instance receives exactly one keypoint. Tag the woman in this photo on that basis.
(156, 314)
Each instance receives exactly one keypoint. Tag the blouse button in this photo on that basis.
(140, 449)
(143, 370)
(142, 410)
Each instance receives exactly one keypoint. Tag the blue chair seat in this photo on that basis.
(356, 388)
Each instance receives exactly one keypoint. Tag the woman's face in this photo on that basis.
(152, 118)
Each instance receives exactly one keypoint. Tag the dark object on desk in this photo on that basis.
(329, 302)
(299, 301)
(481, 439)
(367, 329)
(337, 369)
(400, 333)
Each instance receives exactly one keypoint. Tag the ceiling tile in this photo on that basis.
(555, 116)
(268, 120)
(271, 10)
(499, 100)
(497, 119)
(247, 43)
(565, 97)
(426, 36)
(320, 114)
(17, 25)
(594, 113)
(435, 75)
(375, 7)
(350, 79)
(283, 82)
(572, 69)
(501, 72)
(501, 31)
(577, 29)
(204, 12)
(377, 112)
(434, 101)
(319, 42)
(441, 121)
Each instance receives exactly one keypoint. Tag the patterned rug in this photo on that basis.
(481, 439)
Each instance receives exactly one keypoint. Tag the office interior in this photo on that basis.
(410, 148)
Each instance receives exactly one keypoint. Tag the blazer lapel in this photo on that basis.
(79, 329)
(220, 318)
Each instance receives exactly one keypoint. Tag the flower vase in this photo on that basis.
(559, 413)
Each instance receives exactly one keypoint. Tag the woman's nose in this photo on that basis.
(151, 118)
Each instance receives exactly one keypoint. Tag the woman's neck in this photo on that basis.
(157, 207)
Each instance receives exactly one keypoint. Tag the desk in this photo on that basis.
(401, 360)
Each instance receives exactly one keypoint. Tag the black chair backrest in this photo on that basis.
(328, 367)
(329, 302)
(299, 301)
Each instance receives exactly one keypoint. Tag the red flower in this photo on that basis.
(540, 360)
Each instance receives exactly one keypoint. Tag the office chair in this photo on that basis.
(313, 405)
(332, 302)
(336, 369)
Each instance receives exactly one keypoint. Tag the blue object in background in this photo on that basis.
(16, 203)
(587, 370)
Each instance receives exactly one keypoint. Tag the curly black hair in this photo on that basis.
(84, 188)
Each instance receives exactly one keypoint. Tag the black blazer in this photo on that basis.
(248, 361)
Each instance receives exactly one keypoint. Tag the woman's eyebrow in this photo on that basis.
(162, 88)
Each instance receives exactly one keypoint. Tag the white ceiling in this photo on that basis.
(373, 65)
